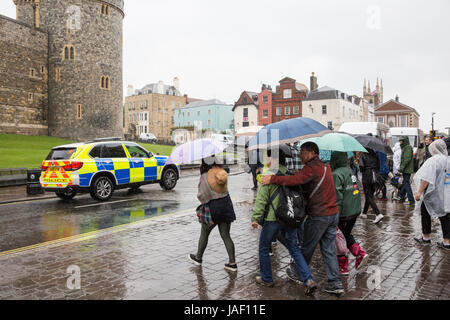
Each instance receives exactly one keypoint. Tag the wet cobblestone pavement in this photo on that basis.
(149, 261)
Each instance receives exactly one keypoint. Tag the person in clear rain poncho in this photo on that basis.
(433, 181)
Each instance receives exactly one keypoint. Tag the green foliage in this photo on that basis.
(19, 151)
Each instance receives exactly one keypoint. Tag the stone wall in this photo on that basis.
(23, 96)
(97, 40)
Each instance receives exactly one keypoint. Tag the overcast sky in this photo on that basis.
(219, 48)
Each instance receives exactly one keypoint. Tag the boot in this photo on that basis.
(343, 265)
(360, 254)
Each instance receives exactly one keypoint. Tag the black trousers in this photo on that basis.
(346, 226)
(254, 174)
(369, 191)
(426, 222)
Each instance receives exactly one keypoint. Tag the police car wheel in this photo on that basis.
(102, 188)
(67, 194)
(169, 179)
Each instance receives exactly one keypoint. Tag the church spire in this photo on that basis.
(369, 87)
(365, 87)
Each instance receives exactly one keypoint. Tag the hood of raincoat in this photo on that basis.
(405, 140)
(338, 160)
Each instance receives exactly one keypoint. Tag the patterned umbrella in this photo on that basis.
(287, 131)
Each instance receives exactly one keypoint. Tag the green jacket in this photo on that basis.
(348, 196)
(407, 163)
(263, 197)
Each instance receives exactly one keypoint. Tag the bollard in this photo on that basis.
(33, 185)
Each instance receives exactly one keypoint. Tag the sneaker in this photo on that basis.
(421, 240)
(310, 287)
(396, 198)
(292, 275)
(231, 267)
(194, 259)
(444, 246)
(260, 281)
(255, 188)
(363, 215)
(362, 261)
(335, 288)
(378, 218)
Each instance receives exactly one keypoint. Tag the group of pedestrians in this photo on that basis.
(333, 202)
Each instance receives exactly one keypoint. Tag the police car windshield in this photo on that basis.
(60, 154)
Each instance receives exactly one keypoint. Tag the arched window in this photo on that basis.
(69, 52)
(105, 82)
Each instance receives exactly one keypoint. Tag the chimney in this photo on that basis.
(161, 87)
(396, 98)
(263, 87)
(313, 82)
(176, 83)
(130, 90)
(269, 87)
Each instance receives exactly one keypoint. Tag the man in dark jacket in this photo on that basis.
(428, 141)
(320, 227)
(349, 203)
(406, 168)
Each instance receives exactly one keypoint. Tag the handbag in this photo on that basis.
(340, 243)
(204, 214)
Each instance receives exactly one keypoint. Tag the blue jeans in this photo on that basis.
(406, 188)
(269, 230)
(322, 230)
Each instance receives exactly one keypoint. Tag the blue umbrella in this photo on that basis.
(287, 131)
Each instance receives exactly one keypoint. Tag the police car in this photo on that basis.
(102, 166)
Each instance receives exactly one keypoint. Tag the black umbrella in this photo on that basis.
(373, 143)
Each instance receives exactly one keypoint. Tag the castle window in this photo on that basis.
(105, 83)
(58, 74)
(79, 111)
(69, 52)
(30, 97)
(32, 72)
(105, 9)
(42, 69)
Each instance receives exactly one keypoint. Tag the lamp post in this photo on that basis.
(432, 120)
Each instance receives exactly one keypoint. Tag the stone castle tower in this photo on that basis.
(85, 94)
(373, 97)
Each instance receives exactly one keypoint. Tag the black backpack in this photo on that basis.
(291, 209)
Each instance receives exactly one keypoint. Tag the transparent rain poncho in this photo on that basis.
(436, 171)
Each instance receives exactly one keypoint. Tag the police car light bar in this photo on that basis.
(108, 139)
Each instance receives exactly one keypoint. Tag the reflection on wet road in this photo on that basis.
(30, 223)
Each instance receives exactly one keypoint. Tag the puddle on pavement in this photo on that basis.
(57, 226)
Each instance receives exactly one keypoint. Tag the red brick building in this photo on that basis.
(265, 105)
(287, 100)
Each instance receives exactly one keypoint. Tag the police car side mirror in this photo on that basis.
(150, 155)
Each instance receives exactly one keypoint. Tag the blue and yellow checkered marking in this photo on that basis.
(128, 170)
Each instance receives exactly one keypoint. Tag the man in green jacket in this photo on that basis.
(267, 199)
(406, 168)
(348, 199)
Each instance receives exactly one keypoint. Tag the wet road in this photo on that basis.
(147, 258)
(29, 223)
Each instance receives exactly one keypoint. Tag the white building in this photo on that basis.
(246, 110)
(331, 107)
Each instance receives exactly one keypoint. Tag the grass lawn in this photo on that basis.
(19, 151)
